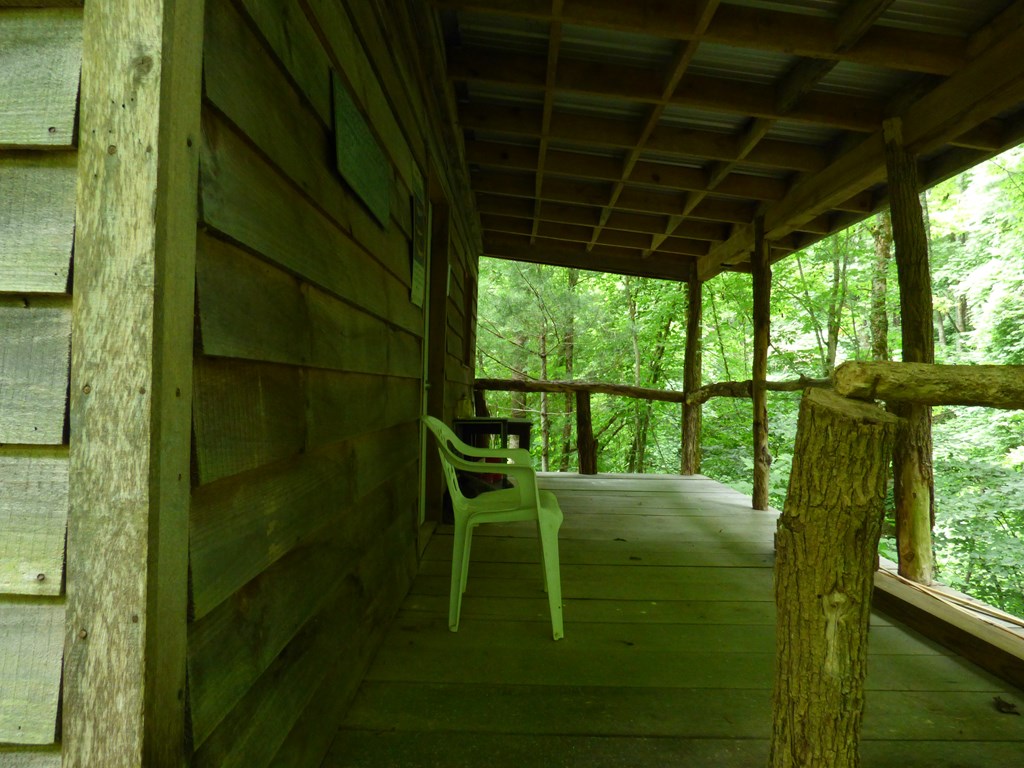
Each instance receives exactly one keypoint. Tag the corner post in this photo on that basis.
(912, 456)
(586, 446)
(690, 453)
(762, 283)
(131, 384)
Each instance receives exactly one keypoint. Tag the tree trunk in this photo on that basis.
(912, 456)
(635, 461)
(545, 419)
(585, 443)
(837, 302)
(690, 453)
(762, 280)
(879, 278)
(519, 398)
(826, 544)
(569, 355)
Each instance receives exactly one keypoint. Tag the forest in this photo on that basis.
(832, 302)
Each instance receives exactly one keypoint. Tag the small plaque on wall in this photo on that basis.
(361, 162)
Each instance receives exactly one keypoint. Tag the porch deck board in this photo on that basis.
(667, 659)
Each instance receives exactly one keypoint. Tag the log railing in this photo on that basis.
(585, 442)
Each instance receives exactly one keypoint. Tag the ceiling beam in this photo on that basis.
(599, 259)
(645, 85)
(985, 87)
(789, 33)
(621, 134)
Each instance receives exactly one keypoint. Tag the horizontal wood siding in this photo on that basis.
(40, 60)
(307, 379)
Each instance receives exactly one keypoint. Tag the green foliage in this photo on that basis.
(540, 321)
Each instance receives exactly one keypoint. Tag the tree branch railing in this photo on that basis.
(586, 445)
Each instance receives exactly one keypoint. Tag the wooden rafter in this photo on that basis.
(664, 129)
(550, 72)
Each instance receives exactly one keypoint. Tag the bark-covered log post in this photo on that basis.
(690, 453)
(913, 488)
(826, 544)
(586, 446)
(762, 279)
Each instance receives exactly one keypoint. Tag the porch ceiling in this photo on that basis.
(646, 137)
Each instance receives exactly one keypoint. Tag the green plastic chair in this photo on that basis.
(522, 501)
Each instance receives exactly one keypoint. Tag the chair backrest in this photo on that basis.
(447, 444)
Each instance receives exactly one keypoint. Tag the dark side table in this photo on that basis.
(471, 429)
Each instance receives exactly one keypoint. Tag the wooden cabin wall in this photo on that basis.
(308, 373)
(40, 60)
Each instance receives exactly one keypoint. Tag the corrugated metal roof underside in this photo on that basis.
(766, 107)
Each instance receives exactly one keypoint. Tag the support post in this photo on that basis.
(131, 385)
(690, 453)
(912, 456)
(586, 446)
(762, 283)
(826, 545)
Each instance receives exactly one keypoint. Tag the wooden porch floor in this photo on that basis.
(667, 658)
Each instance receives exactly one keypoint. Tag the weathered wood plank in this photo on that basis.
(246, 415)
(248, 308)
(232, 646)
(584, 611)
(287, 30)
(248, 200)
(314, 731)
(40, 56)
(35, 339)
(700, 633)
(244, 83)
(628, 663)
(124, 672)
(667, 552)
(605, 582)
(241, 525)
(382, 402)
(31, 641)
(347, 339)
(37, 221)
(255, 729)
(405, 147)
(27, 757)
(447, 749)
(252, 310)
(628, 711)
(33, 518)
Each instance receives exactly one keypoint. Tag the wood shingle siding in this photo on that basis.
(40, 59)
(40, 56)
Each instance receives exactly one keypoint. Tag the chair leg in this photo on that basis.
(459, 561)
(552, 575)
(466, 549)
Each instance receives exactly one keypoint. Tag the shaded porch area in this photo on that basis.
(668, 655)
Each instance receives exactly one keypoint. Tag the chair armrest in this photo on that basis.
(518, 455)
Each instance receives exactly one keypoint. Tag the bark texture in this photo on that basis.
(993, 386)
(912, 457)
(762, 280)
(585, 442)
(826, 544)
